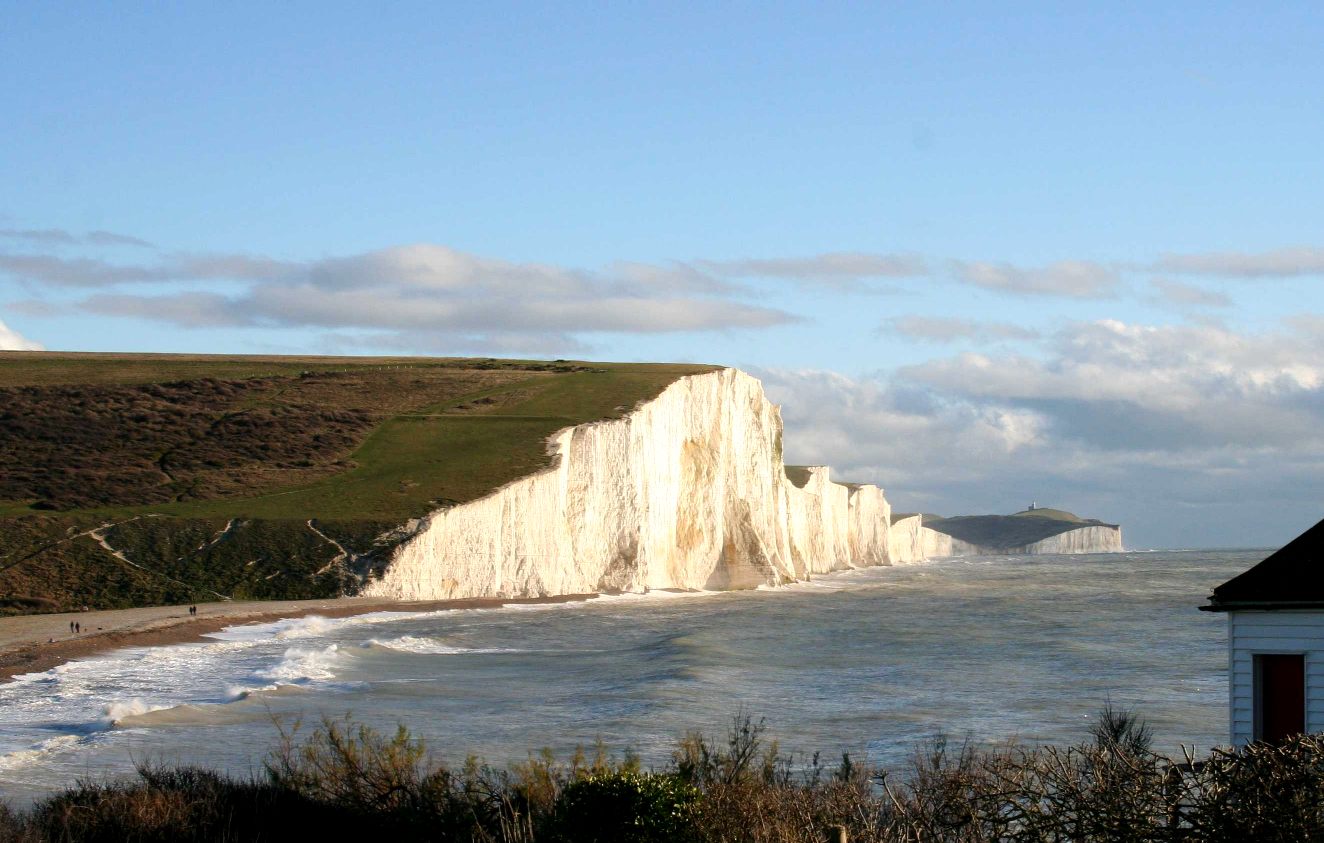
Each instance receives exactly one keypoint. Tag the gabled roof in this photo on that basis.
(1292, 578)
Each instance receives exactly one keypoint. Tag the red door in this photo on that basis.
(1281, 697)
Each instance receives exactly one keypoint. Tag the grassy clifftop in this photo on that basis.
(134, 479)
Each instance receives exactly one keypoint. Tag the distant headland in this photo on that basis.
(1034, 530)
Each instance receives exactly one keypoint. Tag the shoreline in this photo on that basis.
(37, 643)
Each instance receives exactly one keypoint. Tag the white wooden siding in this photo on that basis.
(1287, 631)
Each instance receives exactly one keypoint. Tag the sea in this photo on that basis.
(875, 662)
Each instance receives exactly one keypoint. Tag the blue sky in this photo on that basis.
(1064, 252)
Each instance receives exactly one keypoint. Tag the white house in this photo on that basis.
(1275, 642)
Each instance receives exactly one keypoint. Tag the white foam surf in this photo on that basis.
(300, 665)
(432, 646)
(310, 626)
(39, 751)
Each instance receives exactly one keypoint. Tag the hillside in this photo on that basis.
(136, 479)
(1010, 531)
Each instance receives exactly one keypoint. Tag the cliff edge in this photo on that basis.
(687, 491)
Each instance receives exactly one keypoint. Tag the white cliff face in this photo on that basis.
(1096, 539)
(1092, 539)
(908, 540)
(688, 491)
(936, 544)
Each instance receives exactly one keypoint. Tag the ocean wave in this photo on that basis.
(40, 750)
(540, 607)
(657, 594)
(114, 712)
(238, 693)
(313, 626)
(591, 601)
(797, 587)
(204, 714)
(300, 665)
(431, 646)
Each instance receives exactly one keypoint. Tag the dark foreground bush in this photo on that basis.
(349, 782)
(613, 806)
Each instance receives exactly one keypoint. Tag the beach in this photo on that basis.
(34, 643)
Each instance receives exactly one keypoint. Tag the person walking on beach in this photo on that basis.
(78, 627)
(71, 626)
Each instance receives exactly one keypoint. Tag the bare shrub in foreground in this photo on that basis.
(346, 780)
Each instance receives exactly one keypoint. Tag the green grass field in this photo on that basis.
(353, 445)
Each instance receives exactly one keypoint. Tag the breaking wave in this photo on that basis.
(38, 751)
(122, 709)
(432, 646)
(300, 665)
(311, 626)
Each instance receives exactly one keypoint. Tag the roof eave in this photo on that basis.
(1262, 605)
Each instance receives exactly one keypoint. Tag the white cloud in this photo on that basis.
(192, 310)
(110, 238)
(11, 340)
(56, 236)
(520, 343)
(1110, 384)
(1278, 263)
(830, 268)
(1074, 279)
(1114, 420)
(1188, 295)
(72, 272)
(414, 291)
(676, 277)
(942, 329)
(60, 237)
(94, 272)
(877, 430)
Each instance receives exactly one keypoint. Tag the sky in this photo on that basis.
(982, 255)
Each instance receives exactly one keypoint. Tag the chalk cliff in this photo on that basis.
(937, 545)
(906, 541)
(1094, 539)
(688, 491)
(1105, 538)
